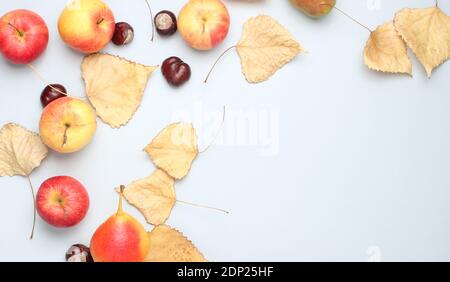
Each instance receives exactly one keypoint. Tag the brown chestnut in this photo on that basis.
(176, 71)
(165, 23)
(79, 253)
(51, 93)
(123, 34)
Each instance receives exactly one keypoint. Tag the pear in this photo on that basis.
(121, 238)
(314, 8)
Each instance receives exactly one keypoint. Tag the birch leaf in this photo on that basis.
(21, 151)
(154, 196)
(265, 47)
(170, 245)
(174, 149)
(114, 86)
(427, 33)
(385, 51)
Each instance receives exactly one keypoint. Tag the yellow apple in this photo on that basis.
(67, 125)
(204, 24)
(86, 25)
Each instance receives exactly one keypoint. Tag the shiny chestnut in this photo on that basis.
(79, 253)
(123, 34)
(51, 93)
(165, 23)
(176, 71)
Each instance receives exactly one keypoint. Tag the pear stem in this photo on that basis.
(217, 133)
(34, 207)
(119, 209)
(41, 77)
(151, 15)
(202, 206)
(350, 17)
(215, 63)
(437, 3)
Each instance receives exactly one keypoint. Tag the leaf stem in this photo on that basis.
(41, 77)
(203, 206)
(34, 206)
(217, 133)
(215, 63)
(350, 17)
(151, 15)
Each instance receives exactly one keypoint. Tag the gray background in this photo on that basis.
(362, 170)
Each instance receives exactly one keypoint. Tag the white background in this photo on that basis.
(362, 170)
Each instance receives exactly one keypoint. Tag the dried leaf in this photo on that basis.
(386, 51)
(21, 150)
(154, 196)
(170, 245)
(427, 33)
(265, 47)
(114, 86)
(174, 149)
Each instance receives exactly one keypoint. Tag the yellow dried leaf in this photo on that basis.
(154, 196)
(386, 51)
(174, 149)
(21, 150)
(114, 86)
(265, 47)
(170, 245)
(427, 33)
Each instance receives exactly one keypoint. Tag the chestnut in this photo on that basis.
(165, 23)
(79, 253)
(123, 34)
(52, 92)
(176, 71)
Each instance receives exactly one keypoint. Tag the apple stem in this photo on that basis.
(16, 29)
(203, 206)
(218, 59)
(350, 17)
(34, 207)
(100, 21)
(217, 133)
(151, 15)
(119, 209)
(437, 3)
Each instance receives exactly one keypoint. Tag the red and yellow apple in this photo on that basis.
(204, 24)
(62, 201)
(23, 36)
(67, 125)
(86, 25)
(314, 8)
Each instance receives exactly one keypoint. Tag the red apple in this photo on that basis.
(23, 36)
(62, 201)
